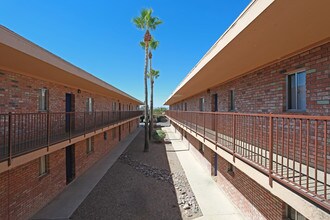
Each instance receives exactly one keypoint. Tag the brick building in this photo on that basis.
(256, 110)
(56, 121)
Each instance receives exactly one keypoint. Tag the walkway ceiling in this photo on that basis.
(19, 55)
(267, 31)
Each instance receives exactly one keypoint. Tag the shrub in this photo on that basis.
(158, 135)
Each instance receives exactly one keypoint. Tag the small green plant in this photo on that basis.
(158, 135)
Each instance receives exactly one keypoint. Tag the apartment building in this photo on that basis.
(256, 107)
(56, 121)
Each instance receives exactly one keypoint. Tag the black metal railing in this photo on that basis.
(21, 133)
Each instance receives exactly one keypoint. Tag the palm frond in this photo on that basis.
(142, 44)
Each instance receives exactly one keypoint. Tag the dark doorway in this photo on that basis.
(69, 107)
(70, 163)
(214, 103)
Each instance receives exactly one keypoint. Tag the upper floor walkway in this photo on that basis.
(293, 150)
(22, 133)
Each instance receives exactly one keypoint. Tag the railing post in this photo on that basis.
(84, 124)
(196, 123)
(270, 142)
(234, 139)
(9, 138)
(48, 130)
(102, 120)
(204, 126)
(94, 121)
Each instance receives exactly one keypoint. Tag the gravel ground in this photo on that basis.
(142, 186)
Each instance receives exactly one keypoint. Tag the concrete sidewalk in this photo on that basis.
(212, 201)
(63, 206)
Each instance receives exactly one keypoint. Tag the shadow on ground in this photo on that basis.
(132, 188)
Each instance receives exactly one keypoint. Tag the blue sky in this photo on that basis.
(98, 36)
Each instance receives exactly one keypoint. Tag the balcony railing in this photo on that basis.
(291, 149)
(21, 133)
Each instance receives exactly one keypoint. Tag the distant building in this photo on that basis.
(256, 109)
(56, 121)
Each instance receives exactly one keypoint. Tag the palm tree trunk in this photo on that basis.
(146, 138)
(151, 102)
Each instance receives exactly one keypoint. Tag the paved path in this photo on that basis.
(212, 201)
(63, 206)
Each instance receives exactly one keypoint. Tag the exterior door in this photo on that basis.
(69, 107)
(214, 103)
(70, 163)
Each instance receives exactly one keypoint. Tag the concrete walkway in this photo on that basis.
(63, 206)
(212, 201)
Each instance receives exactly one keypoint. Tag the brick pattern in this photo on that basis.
(252, 199)
(264, 90)
(23, 192)
(20, 93)
(26, 191)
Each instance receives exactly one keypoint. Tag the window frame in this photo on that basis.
(90, 105)
(201, 104)
(90, 145)
(43, 165)
(43, 98)
(288, 93)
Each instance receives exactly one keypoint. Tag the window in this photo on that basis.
(201, 104)
(89, 105)
(43, 165)
(231, 100)
(185, 106)
(105, 135)
(230, 169)
(43, 99)
(114, 106)
(296, 90)
(292, 214)
(201, 147)
(90, 145)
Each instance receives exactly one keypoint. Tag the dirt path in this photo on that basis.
(141, 186)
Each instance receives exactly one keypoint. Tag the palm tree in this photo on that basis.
(153, 74)
(153, 44)
(146, 22)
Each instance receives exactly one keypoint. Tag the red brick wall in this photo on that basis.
(264, 90)
(20, 93)
(24, 192)
(251, 198)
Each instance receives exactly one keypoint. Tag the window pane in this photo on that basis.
(301, 90)
(42, 168)
(292, 92)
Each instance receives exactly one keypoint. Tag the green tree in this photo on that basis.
(146, 22)
(153, 44)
